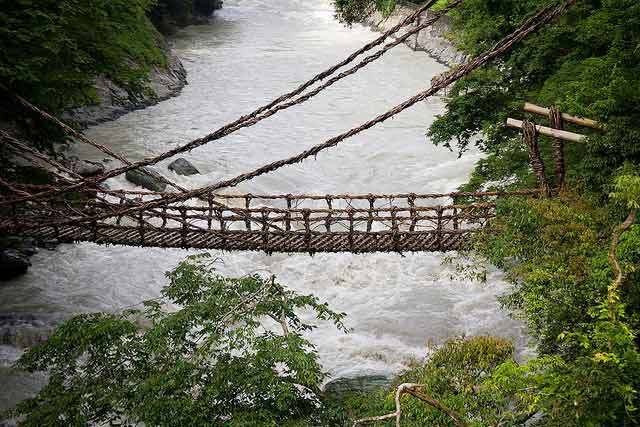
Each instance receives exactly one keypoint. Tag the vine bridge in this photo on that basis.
(77, 208)
(272, 223)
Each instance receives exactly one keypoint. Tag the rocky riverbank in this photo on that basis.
(115, 102)
(433, 40)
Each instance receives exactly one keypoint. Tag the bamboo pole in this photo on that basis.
(580, 121)
(555, 133)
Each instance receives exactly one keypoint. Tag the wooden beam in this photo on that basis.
(555, 133)
(580, 121)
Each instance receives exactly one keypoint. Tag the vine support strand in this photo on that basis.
(535, 22)
(246, 120)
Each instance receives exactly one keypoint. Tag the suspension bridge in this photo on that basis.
(78, 209)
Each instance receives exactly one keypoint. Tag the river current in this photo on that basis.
(251, 52)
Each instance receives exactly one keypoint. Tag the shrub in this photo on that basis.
(215, 360)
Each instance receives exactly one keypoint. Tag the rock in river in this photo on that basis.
(13, 263)
(85, 167)
(339, 388)
(151, 180)
(183, 167)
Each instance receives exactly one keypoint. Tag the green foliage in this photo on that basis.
(350, 11)
(556, 254)
(598, 387)
(232, 354)
(627, 191)
(51, 51)
(453, 375)
(587, 63)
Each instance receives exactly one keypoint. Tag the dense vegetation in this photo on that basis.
(51, 51)
(201, 355)
(581, 311)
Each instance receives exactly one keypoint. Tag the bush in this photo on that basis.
(453, 374)
(232, 354)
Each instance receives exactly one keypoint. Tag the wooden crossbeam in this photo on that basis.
(547, 131)
(580, 121)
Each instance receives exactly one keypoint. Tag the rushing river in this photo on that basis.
(252, 51)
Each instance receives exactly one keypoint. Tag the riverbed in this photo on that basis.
(251, 52)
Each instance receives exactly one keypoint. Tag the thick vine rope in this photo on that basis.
(530, 138)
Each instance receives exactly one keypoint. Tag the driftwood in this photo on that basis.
(417, 391)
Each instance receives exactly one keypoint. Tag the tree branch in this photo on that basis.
(415, 391)
(614, 287)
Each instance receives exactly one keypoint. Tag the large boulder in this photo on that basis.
(183, 167)
(147, 178)
(341, 387)
(89, 168)
(86, 168)
(24, 330)
(13, 263)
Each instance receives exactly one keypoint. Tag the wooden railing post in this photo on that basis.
(372, 203)
(287, 215)
(210, 216)
(265, 230)
(414, 215)
(456, 224)
(164, 217)
(220, 215)
(247, 205)
(439, 229)
(307, 229)
(185, 226)
(327, 222)
(351, 230)
(395, 230)
(141, 227)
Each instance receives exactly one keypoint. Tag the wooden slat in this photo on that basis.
(555, 133)
(580, 121)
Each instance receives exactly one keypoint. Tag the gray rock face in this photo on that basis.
(183, 167)
(151, 180)
(432, 40)
(341, 387)
(114, 101)
(13, 263)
